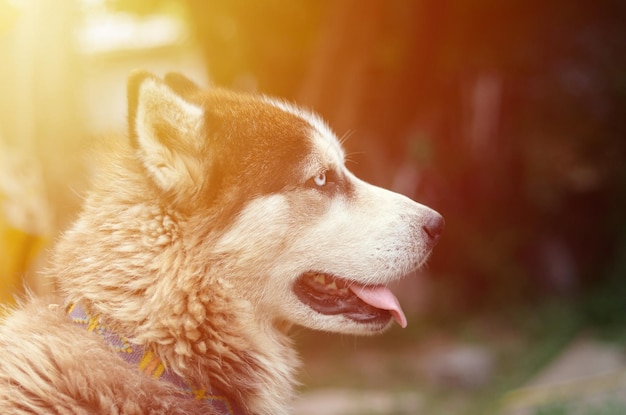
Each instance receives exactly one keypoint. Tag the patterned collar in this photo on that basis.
(148, 363)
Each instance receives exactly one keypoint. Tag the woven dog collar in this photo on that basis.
(149, 363)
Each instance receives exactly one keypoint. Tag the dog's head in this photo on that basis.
(269, 203)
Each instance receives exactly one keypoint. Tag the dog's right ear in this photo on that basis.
(166, 131)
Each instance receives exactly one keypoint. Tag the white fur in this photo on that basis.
(158, 104)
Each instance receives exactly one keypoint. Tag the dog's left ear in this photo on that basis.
(166, 131)
(180, 83)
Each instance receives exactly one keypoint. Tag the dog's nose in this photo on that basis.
(434, 227)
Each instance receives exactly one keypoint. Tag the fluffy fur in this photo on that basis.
(190, 243)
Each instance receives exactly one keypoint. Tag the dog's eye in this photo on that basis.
(325, 180)
(320, 179)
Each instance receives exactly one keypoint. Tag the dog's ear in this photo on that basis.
(180, 83)
(166, 131)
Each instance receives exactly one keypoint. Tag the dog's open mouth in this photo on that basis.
(331, 295)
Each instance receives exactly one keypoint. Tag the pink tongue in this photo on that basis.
(381, 297)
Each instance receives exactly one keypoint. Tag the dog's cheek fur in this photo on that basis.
(285, 236)
(377, 237)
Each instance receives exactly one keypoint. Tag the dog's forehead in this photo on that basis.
(325, 146)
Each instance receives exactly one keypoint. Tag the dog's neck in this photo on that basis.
(259, 376)
(150, 364)
(181, 310)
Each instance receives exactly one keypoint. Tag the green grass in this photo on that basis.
(607, 408)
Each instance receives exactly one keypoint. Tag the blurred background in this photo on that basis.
(506, 117)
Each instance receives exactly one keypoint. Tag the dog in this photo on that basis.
(222, 220)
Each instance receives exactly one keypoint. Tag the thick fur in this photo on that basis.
(190, 243)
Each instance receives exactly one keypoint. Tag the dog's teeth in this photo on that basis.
(332, 286)
(344, 291)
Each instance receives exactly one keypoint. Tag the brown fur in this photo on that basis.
(188, 244)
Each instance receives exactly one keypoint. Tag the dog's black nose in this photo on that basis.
(434, 227)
